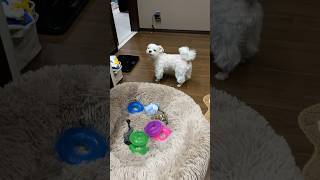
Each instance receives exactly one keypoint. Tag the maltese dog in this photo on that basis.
(236, 33)
(178, 64)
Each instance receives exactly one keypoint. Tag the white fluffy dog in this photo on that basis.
(236, 29)
(179, 64)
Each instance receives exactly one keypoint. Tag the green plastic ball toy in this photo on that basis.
(139, 142)
(138, 149)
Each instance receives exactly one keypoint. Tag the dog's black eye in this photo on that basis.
(154, 50)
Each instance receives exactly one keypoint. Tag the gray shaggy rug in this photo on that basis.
(35, 109)
(245, 147)
(185, 155)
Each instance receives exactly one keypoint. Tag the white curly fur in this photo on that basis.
(236, 26)
(179, 64)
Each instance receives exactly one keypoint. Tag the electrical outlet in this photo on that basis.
(157, 16)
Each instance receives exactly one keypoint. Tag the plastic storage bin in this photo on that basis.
(25, 40)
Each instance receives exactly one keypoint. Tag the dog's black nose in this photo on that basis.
(150, 51)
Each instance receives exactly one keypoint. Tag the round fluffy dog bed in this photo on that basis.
(185, 155)
(35, 109)
(245, 147)
(309, 121)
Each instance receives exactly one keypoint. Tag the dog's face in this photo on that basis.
(154, 50)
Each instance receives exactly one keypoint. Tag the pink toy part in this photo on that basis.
(165, 133)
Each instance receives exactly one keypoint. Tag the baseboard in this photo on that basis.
(126, 40)
(174, 31)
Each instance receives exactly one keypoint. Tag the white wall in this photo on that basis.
(176, 14)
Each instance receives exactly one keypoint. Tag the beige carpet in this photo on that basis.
(309, 121)
(186, 153)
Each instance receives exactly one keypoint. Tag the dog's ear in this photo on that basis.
(160, 49)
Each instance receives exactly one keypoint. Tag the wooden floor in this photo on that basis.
(284, 78)
(198, 86)
(87, 41)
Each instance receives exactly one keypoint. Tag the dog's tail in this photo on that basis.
(187, 54)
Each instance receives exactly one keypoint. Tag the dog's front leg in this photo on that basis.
(158, 74)
(180, 78)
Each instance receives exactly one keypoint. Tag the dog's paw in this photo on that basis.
(157, 80)
(179, 85)
(221, 76)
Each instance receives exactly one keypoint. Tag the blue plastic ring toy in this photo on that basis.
(77, 145)
(135, 107)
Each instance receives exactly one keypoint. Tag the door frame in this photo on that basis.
(114, 32)
(134, 20)
(133, 15)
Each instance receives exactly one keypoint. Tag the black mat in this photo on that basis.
(128, 62)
